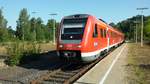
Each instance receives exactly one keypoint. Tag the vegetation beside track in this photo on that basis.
(138, 67)
(21, 53)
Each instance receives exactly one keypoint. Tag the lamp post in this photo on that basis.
(142, 9)
(53, 14)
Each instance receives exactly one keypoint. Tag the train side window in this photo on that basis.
(105, 33)
(109, 34)
(112, 34)
(101, 31)
(95, 33)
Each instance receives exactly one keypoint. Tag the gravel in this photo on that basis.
(23, 74)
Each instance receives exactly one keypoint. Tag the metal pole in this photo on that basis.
(54, 31)
(142, 24)
(142, 31)
(53, 14)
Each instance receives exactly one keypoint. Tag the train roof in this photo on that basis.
(77, 16)
(87, 15)
(110, 27)
(102, 20)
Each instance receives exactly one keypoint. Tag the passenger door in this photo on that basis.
(95, 37)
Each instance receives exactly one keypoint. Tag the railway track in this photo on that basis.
(66, 74)
(61, 73)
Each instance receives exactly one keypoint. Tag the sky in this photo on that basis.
(108, 10)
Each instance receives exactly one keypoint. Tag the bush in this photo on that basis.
(21, 53)
(15, 51)
(32, 53)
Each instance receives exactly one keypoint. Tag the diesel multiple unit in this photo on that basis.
(85, 38)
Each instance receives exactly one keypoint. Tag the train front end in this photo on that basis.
(71, 31)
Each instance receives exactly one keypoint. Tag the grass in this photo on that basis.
(43, 46)
(138, 67)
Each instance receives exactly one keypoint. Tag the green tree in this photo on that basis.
(50, 25)
(11, 33)
(57, 27)
(112, 24)
(147, 28)
(23, 26)
(33, 29)
(4, 36)
(49, 31)
(39, 30)
(128, 27)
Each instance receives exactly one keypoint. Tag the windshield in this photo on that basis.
(72, 29)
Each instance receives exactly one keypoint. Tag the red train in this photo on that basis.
(85, 38)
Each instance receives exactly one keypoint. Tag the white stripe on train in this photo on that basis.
(98, 51)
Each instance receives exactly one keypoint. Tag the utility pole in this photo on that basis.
(142, 24)
(53, 14)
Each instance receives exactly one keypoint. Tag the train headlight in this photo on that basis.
(60, 46)
(79, 46)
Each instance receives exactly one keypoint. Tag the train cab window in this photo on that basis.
(73, 29)
(101, 31)
(95, 33)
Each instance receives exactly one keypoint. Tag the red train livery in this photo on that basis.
(85, 38)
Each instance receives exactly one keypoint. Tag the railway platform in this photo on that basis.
(110, 70)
